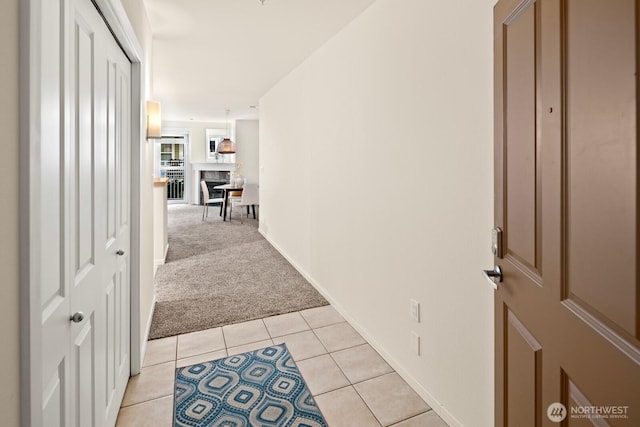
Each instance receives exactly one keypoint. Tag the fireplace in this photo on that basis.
(211, 173)
(213, 179)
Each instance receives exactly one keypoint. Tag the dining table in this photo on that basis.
(226, 188)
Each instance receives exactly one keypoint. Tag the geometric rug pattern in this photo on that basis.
(261, 388)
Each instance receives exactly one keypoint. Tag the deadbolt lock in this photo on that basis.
(496, 242)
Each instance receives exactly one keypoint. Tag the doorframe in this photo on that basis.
(185, 133)
(30, 328)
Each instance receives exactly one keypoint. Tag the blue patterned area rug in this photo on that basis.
(261, 388)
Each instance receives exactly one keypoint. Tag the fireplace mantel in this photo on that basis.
(197, 168)
(211, 166)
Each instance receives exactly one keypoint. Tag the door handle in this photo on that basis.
(120, 252)
(77, 317)
(493, 276)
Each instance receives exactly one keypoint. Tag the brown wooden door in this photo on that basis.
(567, 322)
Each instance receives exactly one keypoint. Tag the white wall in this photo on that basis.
(9, 250)
(247, 136)
(376, 181)
(140, 22)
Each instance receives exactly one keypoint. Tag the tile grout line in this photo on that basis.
(319, 340)
(158, 397)
(176, 354)
(340, 367)
(375, 377)
(152, 399)
(265, 327)
(367, 405)
(273, 336)
(346, 348)
(251, 342)
(162, 361)
(352, 384)
(204, 352)
(344, 374)
(147, 401)
(308, 357)
(379, 421)
(413, 416)
(331, 391)
(224, 339)
(360, 397)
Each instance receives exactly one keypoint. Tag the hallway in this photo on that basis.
(368, 72)
(352, 384)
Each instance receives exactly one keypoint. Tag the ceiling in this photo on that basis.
(210, 55)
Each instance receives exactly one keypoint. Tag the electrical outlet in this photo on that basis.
(415, 343)
(414, 310)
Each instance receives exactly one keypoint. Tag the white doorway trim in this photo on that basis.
(185, 133)
(30, 139)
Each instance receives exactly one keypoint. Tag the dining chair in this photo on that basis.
(250, 197)
(234, 195)
(208, 201)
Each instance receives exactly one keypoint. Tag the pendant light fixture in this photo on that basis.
(227, 146)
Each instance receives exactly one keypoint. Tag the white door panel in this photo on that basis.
(117, 236)
(85, 384)
(48, 223)
(86, 255)
(84, 206)
(54, 398)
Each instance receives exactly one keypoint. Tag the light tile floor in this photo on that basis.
(351, 383)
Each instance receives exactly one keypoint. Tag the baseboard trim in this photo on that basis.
(425, 394)
(145, 339)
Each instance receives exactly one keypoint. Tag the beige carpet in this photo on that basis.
(218, 273)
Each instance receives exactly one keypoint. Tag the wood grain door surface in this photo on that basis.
(567, 323)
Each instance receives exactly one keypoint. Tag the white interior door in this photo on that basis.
(85, 218)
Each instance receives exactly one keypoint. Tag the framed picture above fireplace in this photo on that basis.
(212, 138)
(213, 144)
